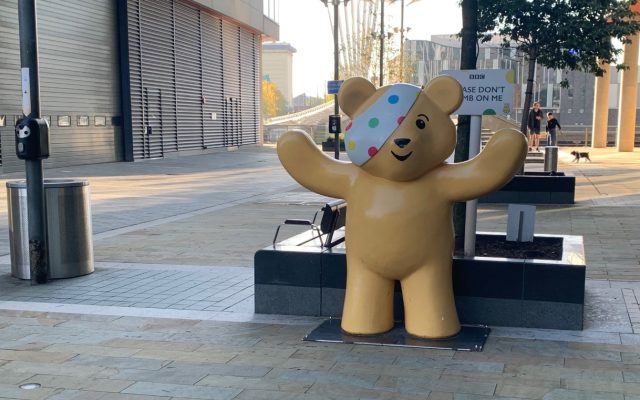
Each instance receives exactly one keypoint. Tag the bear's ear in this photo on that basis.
(446, 92)
(353, 93)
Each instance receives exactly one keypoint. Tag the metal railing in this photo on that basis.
(299, 115)
(580, 135)
(572, 135)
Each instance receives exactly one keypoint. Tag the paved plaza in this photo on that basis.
(168, 313)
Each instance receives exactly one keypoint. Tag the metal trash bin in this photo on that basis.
(69, 232)
(551, 159)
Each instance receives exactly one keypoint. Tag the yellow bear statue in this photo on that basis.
(400, 191)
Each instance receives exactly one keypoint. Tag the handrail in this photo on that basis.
(300, 114)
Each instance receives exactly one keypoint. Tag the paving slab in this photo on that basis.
(169, 311)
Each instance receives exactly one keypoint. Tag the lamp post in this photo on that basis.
(402, 40)
(28, 32)
(402, 31)
(336, 72)
(381, 43)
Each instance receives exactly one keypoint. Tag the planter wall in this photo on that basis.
(330, 146)
(307, 280)
(536, 188)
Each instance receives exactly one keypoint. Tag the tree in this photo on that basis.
(360, 42)
(468, 60)
(273, 102)
(398, 68)
(559, 34)
(357, 38)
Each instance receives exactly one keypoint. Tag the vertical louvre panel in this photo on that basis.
(257, 82)
(135, 75)
(231, 77)
(156, 133)
(189, 77)
(212, 83)
(248, 94)
(78, 55)
(10, 100)
(186, 66)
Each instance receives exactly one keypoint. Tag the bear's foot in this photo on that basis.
(365, 330)
(433, 329)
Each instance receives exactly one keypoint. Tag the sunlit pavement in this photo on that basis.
(169, 311)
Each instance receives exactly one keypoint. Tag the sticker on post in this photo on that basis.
(26, 92)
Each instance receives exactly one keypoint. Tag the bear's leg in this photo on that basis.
(429, 304)
(368, 303)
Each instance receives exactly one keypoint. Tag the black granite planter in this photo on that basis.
(536, 188)
(308, 280)
(330, 145)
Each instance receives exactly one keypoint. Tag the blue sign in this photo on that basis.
(333, 86)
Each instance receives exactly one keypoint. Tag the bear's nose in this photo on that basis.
(401, 142)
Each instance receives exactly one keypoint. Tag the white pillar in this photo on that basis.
(601, 108)
(628, 97)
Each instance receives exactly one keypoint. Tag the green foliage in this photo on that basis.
(560, 34)
(273, 102)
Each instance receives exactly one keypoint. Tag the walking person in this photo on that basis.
(534, 122)
(552, 124)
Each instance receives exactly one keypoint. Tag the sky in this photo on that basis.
(305, 25)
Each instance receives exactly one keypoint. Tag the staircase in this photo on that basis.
(533, 157)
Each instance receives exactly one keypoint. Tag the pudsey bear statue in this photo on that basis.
(400, 192)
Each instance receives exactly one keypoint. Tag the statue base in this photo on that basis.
(470, 338)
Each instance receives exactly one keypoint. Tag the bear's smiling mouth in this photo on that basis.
(401, 158)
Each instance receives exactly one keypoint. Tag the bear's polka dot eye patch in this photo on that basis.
(369, 130)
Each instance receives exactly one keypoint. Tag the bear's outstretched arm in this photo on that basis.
(312, 168)
(488, 171)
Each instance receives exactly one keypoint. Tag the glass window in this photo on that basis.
(64, 120)
(83, 120)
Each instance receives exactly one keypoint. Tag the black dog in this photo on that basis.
(580, 154)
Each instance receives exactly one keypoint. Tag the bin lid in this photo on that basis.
(51, 183)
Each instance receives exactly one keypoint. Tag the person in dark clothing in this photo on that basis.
(552, 124)
(533, 122)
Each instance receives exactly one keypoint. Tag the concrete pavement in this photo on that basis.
(169, 311)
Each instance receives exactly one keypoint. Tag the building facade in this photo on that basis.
(127, 80)
(573, 105)
(277, 67)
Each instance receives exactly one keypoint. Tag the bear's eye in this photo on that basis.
(422, 120)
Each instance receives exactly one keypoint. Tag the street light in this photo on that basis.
(336, 71)
(381, 37)
(402, 30)
(381, 42)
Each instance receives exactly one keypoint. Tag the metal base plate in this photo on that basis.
(470, 338)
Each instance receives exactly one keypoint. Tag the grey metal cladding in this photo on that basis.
(189, 77)
(78, 76)
(212, 83)
(195, 79)
(231, 66)
(250, 112)
(10, 100)
(152, 71)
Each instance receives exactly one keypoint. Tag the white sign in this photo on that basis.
(26, 92)
(486, 91)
